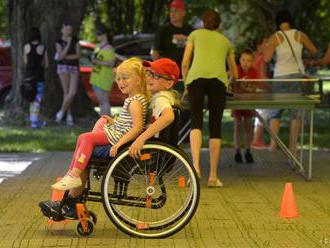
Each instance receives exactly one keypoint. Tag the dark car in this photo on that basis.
(5, 73)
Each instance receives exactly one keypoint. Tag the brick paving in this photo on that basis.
(242, 214)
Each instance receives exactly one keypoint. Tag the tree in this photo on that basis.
(48, 16)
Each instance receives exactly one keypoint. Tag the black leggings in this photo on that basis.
(216, 93)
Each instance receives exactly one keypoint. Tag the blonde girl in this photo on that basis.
(131, 80)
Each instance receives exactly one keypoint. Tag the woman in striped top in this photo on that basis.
(131, 79)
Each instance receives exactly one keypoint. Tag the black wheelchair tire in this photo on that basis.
(191, 207)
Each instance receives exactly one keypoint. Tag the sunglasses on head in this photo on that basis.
(157, 76)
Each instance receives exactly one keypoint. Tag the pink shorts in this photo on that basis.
(67, 69)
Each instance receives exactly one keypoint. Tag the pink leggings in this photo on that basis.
(86, 143)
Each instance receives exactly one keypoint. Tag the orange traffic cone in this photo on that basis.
(57, 195)
(288, 206)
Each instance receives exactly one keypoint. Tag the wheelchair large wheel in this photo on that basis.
(154, 196)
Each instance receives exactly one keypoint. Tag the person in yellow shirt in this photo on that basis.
(102, 73)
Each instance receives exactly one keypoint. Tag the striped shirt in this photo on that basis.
(124, 122)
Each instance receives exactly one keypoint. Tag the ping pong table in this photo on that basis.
(277, 101)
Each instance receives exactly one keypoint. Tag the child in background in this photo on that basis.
(162, 74)
(245, 71)
(131, 79)
(102, 74)
(262, 72)
(35, 60)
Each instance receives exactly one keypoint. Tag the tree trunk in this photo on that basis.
(153, 11)
(48, 16)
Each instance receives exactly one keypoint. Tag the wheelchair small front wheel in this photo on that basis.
(88, 231)
(93, 216)
(154, 196)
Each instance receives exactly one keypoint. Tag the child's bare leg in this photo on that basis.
(237, 129)
(248, 131)
(248, 136)
(294, 131)
(275, 127)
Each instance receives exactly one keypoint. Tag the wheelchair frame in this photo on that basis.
(184, 186)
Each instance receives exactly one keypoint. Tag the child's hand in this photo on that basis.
(114, 150)
(108, 118)
(135, 148)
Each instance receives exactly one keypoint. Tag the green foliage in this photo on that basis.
(3, 19)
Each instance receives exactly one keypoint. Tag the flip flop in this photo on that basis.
(215, 184)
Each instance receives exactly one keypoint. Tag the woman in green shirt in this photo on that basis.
(102, 74)
(208, 51)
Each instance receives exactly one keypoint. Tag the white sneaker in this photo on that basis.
(67, 182)
(69, 120)
(58, 117)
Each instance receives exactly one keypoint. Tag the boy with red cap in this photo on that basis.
(162, 74)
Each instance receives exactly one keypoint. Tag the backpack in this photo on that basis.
(28, 88)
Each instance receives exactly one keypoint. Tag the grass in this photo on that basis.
(23, 139)
(20, 139)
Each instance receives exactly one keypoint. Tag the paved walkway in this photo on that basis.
(242, 214)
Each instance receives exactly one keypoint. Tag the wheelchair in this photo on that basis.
(154, 196)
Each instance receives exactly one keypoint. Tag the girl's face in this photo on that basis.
(128, 81)
(67, 30)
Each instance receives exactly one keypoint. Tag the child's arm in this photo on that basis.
(165, 119)
(76, 55)
(136, 111)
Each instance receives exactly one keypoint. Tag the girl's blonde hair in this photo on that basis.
(135, 64)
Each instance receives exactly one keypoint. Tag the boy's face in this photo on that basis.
(156, 82)
(246, 61)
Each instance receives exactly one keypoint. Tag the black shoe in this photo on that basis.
(238, 157)
(70, 212)
(52, 210)
(248, 157)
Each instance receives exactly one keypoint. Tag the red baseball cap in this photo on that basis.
(177, 4)
(164, 66)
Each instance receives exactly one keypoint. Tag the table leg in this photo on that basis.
(302, 137)
(281, 144)
(310, 155)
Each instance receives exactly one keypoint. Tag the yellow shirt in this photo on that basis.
(211, 50)
(102, 76)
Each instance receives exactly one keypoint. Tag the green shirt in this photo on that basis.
(211, 50)
(102, 76)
